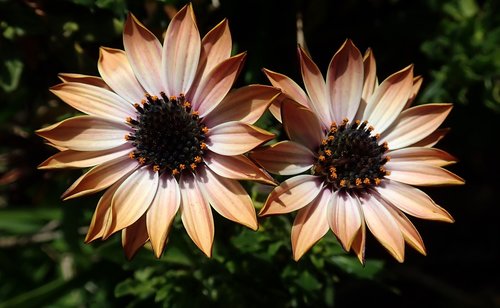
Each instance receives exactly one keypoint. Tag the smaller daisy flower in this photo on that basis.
(162, 134)
(362, 148)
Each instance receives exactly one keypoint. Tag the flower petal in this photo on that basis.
(132, 199)
(86, 79)
(102, 213)
(134, 237)
(214, 87)
(292, 194)
(181, 52)
(196, 214)
(115, 69)
(430, 156)
(227, 197)
(94, 101)
(344, 82)
(389, 98)
(284, 158)
(310, 224)
(344, 217)
(432, 139)
(215, 47)
(100, 177)
(358, 244)
(161, 213)
(370, 75)
(144, 54)
(409, 231)
(86, 133)
(417, 83)
(235, 138)
(383, 226)
(316, 88)
(288, 86)
(237, 167)
(414, 124)
(301, 125)
(79, 159)
(246, 104)
(421, 174)
(412, 201)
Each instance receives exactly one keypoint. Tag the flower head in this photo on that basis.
(162, 133)
(362, 147)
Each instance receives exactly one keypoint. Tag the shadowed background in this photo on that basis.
(455, 46)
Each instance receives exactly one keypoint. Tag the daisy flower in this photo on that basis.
(362, 148)
(162, 134)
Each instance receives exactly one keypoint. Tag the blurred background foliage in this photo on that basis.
(454, 44)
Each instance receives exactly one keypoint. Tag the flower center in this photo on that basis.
(167, 134)
(349, 157)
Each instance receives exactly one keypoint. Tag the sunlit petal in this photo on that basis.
(196, 214)
(284, 158)
(292, 194)
(227, 197)
(310, 224)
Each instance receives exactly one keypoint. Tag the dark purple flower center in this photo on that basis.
(168, 134)
(349, 157)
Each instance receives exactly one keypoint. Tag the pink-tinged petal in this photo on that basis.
(196, 214)
(79, 159)
(292, 194)
(181, 52)
(144, 54)
(288, 86)
(344, 82)
(94, 101)
(161, 213)
(227, 197)
(301, 125)
(115, 69)
(235, 138)
(214, 87)
(246, 104)
(86, 133)
(412, 201)
(383, 226)
(237, 167)
(100, 177)
(430, 156)
(284, 158)
(316, 88)
(370, 75)
(134, 237)
(409, 231)
(358, 244)
(421, 174)
(85, 79)
(132, 199)
(310, 224)
(216, 47)
(432, 139)
(102, 213)
(414, 124)
(275, 107)
(389, 98)
(344, 217)
(417, 83)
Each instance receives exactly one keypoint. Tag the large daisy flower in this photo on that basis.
(362, 147)
(162, 134)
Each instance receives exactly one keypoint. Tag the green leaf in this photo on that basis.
(10, 79)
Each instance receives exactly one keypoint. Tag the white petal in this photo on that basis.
(196, 214)
(162, 212)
